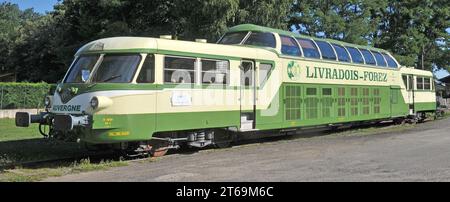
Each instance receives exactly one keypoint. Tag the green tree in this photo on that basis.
(354, 21)
(12, 21)
(415, 31)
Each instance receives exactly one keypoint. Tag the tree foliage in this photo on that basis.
(411, 29)
(40, 47)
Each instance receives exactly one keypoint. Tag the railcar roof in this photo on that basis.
(257, 28)
(144, 44)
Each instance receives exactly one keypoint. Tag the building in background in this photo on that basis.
(443, 91)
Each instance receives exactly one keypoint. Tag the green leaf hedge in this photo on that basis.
(23, 95)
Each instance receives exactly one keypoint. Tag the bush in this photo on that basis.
(23, 95)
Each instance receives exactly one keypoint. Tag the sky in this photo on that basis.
(40, 6)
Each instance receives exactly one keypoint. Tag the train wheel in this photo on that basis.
(222, 139)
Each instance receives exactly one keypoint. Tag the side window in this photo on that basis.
(368, 57)
(379, 58)
(264, 39)
(289, 46)
(233, 38)
(179, 70)
(419, 83)
(147, 74)
(215, 72)
(405, 81)
(341, 53)
(426, 84)
(264, 73)
(390, 61)
(326, 50)
(309, 48)
(356, 55)
(410, 82)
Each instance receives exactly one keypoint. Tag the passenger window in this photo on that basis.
(233, 38)
(179, 70)
(215, 72)
(356, 55)
(379, 58)
(289, 46)
(264, 73)
(309, 48)
(426, 84)
(390, 61)
(326, 50)
(419, 83)
(264, 39)
(341, 53)
(147, 74)
(368, 57)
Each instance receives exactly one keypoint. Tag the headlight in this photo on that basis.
(100, 102)
(94, 103)
(48, 102)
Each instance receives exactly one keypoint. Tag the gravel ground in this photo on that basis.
(420, 153)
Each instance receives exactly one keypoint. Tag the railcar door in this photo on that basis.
(409, 83)
(247, 95)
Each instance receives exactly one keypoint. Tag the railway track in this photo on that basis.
(115, 156)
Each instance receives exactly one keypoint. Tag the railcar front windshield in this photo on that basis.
(116, 69)
(113, 68)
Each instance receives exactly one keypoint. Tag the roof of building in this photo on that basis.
(445, 79)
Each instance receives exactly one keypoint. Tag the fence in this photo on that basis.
(23, 95)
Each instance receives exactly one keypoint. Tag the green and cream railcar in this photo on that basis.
(149, 94)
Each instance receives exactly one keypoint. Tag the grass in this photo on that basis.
(9, 131)
(21, 145)
(33, 175)
(18, 145)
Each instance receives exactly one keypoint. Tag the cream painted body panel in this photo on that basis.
(139, 102)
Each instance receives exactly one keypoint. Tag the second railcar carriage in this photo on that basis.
(149, 94)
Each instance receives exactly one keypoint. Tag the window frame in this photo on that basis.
(298, 39)
(240, 42)
(244, 41)
(295, 42)
(269, 73)
(345, 50)
(421, 83)
(392, 58)
(384, 59)
(97, 63)
(142, 66)
(101, 59)
(365, 61)
(228, 75)
(427, 83)
(360, 54)
(195, 70)
(334, 51)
